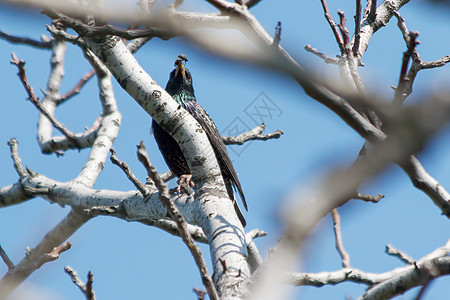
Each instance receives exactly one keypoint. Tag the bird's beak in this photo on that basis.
(180, 68)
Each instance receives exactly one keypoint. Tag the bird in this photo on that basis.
(181, 89)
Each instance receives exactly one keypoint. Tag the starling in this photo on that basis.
(180, 88)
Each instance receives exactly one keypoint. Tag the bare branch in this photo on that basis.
(29, 264)
(399, 254)
(344, 33)
(399, 97)
(200, 294)
(412, 277)
(27, 41)
(436, 63)
(277, 38)
(123, 165)
(254, 257)
(368, 198)
(63, 35)
(13, 194)
(23, 78)
(333, 26)
(424, 288)
(6, 259)
(338, 237)
(13, 145)
(400, 279)
(382, 16)
(439, 252)
(86, 289)
(103, 30)
(417, 63)
(321, 55)
(357, 28)
(178, 217)
(77, 88)
(254, 134)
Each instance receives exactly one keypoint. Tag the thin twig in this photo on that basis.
(23, 78)
(77, 88)
(333, 26)
(254, 134)
(399, 254)
(399, 96)
(369, 198)
(321, 55)
(54, 254)
(344, 33)
(355, 48)
(417, 63)
(86, 289)
(176, 215)
(26, 41)
(88, 31)
(338, 237)
(123, 165)
(254, 257)
(200, 294)
(13, 144)
(277, 38)
(44, 252)
(428, 280)
(6, 259)
(63, 35)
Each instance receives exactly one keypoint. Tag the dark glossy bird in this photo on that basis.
(181, 89)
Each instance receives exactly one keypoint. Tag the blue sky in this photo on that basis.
(130, 260)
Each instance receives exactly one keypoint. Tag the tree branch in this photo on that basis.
(86, 289)
(333, 26)
(6, 259)
(385, 285)
(357, 28)
(178, 217)
(321, 55)
(44, 44)
(368, 198)
(399, 254)
(77, 88)
(139, 185)
(29, 264)
(412, 277)
(254, 134)
(399, 96)
(23, 78)
(338, 237)
(370, 25)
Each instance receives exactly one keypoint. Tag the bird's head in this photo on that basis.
(180, 80)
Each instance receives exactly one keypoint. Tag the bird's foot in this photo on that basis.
(185, 178)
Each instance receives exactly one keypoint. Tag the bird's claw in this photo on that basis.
(185, 178)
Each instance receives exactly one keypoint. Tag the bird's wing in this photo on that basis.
(218, 145)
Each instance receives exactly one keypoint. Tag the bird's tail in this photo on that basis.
(236, 206)
(239, 214)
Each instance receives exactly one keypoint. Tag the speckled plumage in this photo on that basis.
(181, 89)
